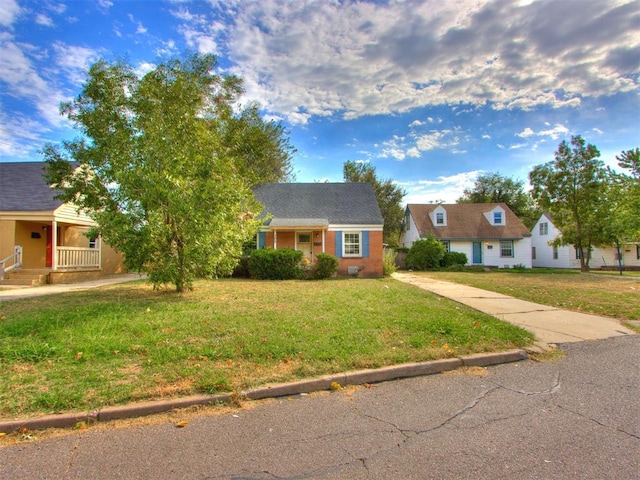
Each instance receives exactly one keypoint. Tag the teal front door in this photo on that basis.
(477, 253)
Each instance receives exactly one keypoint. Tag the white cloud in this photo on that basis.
(74, 60)
(444, 188)
(556, 132)
(9, 11)
(597, 130)
(527, 132)
(44, 20)
(437, 139)
(105, 4)
(414, 153)
(143, 68)
(361, 58)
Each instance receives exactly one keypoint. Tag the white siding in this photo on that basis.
(600, 256)
(491, 252)
(68, 213)
(411, 234)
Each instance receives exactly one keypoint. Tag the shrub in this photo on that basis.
(242, 268)
(389, 261)
(269, 264)
(326, 266)
(453, 258)
(425, 253)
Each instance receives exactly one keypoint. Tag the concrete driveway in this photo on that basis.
(550, 325)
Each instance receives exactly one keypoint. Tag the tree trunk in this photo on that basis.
(619, 256)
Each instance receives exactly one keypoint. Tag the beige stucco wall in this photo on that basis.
(112, 261)
(73, 236)
(34, 250)
(7, 237)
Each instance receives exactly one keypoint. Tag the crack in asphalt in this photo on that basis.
(597, 422)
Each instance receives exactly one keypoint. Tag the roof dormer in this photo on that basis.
(438, 216)
(496, 216)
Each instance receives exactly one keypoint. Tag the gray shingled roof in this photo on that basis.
(467, 221)
(338, 203)
(22, 188)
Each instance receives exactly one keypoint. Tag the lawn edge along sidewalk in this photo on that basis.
(271, 391)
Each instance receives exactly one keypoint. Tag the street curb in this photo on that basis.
(356, 377)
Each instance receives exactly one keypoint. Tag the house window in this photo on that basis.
(304, 238)
(446, 244)
(352, 244)
(497, 218)
(439, 218)
(638, 252)
(506, 248)
(93, 243)
(533, 253)
(555, 253)
(544, 228)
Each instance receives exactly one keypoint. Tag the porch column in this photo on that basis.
(323, 241)
(54, 244)
(275, 239)
(99, 242)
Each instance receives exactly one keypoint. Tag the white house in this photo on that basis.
(546, 255)
(489, 234)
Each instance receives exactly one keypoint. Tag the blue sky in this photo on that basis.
(431, 92)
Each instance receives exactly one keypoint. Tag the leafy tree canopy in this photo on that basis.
(495, 188)
(572, 189)
(625, 197)
(388, 194)
(164, 165)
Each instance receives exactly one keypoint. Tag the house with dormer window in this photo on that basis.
(490, 234)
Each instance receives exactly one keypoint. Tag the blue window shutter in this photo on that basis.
(365, 244)
(262, 239)
(338, 244)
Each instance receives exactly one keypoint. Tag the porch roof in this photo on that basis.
(321, 223)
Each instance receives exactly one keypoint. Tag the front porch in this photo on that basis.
(49, 252)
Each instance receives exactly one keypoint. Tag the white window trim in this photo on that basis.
(344, 244)
(513, 247)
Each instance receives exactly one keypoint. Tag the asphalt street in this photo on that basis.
(576, 418)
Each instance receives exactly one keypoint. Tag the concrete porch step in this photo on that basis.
(29, 278)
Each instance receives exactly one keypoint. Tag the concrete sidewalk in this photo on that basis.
(550, 325)
(51, 289)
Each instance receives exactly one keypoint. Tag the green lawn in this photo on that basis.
(609, 295)
(85, 350)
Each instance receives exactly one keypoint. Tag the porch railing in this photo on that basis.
(12, 262)
(76, 257)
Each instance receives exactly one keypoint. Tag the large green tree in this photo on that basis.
(573, 190)
(495, 188)
(163, 166)
(623, 200)
(388, 194)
